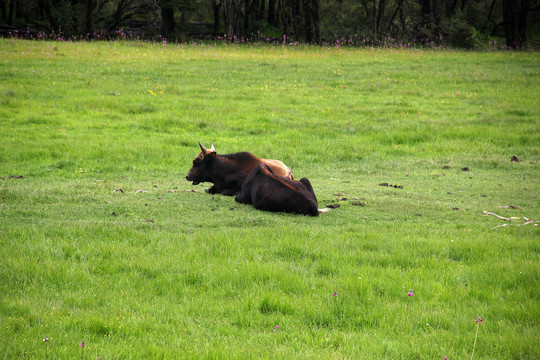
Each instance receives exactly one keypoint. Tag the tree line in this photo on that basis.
(461, 23)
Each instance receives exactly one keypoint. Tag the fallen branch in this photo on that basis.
(529, 221)
(514, 219)
(486, 213)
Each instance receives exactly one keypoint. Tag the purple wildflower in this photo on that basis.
(410, 293)
(277, 328)
(478, 322)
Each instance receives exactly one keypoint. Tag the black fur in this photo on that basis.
(267, 191)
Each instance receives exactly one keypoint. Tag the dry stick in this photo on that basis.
(529, 221)
(500, 217)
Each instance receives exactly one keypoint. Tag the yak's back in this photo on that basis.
(268, 191)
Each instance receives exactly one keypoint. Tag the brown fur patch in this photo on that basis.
(278, 167)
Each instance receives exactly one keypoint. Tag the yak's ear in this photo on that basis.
(212, 148)
(289, 173)
(210, 155)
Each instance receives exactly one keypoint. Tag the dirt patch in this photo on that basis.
(358, 203)
(510, 207)
(390, 185)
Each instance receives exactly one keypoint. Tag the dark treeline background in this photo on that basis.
(461, 23)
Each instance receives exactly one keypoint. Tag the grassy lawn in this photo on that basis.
(172, 273)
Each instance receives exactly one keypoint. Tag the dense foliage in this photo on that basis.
(459, 23)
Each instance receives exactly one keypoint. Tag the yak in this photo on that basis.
(268, 191)
(229, 171)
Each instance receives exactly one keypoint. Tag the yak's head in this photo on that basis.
(201, 168)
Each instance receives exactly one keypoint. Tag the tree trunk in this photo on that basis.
(262, 7)
(251, 11)
(227, 19)
(316, 20)
(88, 26)
(378, 12)
(488, 26)
(308, 30)
(515, 22)
(382, 4)
(522, 28)
(491, 7)
(167, 20)
(117, 18)
(426, 8)
(216, 4)
(283, 13)
(436, 14)
(436, 11)
(296, 17)
(272, 13)
(46, 7)
(232, 16)
(451, 7)
(403, 22)
(374, 18)
(398, 7)
(238, 17)
(11, 12)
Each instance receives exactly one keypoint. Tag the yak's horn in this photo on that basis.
(203, 149)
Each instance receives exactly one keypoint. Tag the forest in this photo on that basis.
(458, 23)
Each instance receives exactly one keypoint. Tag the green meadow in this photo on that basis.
(412, 144)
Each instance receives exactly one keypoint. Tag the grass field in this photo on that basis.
(170, 273)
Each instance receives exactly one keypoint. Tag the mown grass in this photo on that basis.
(169, 273)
